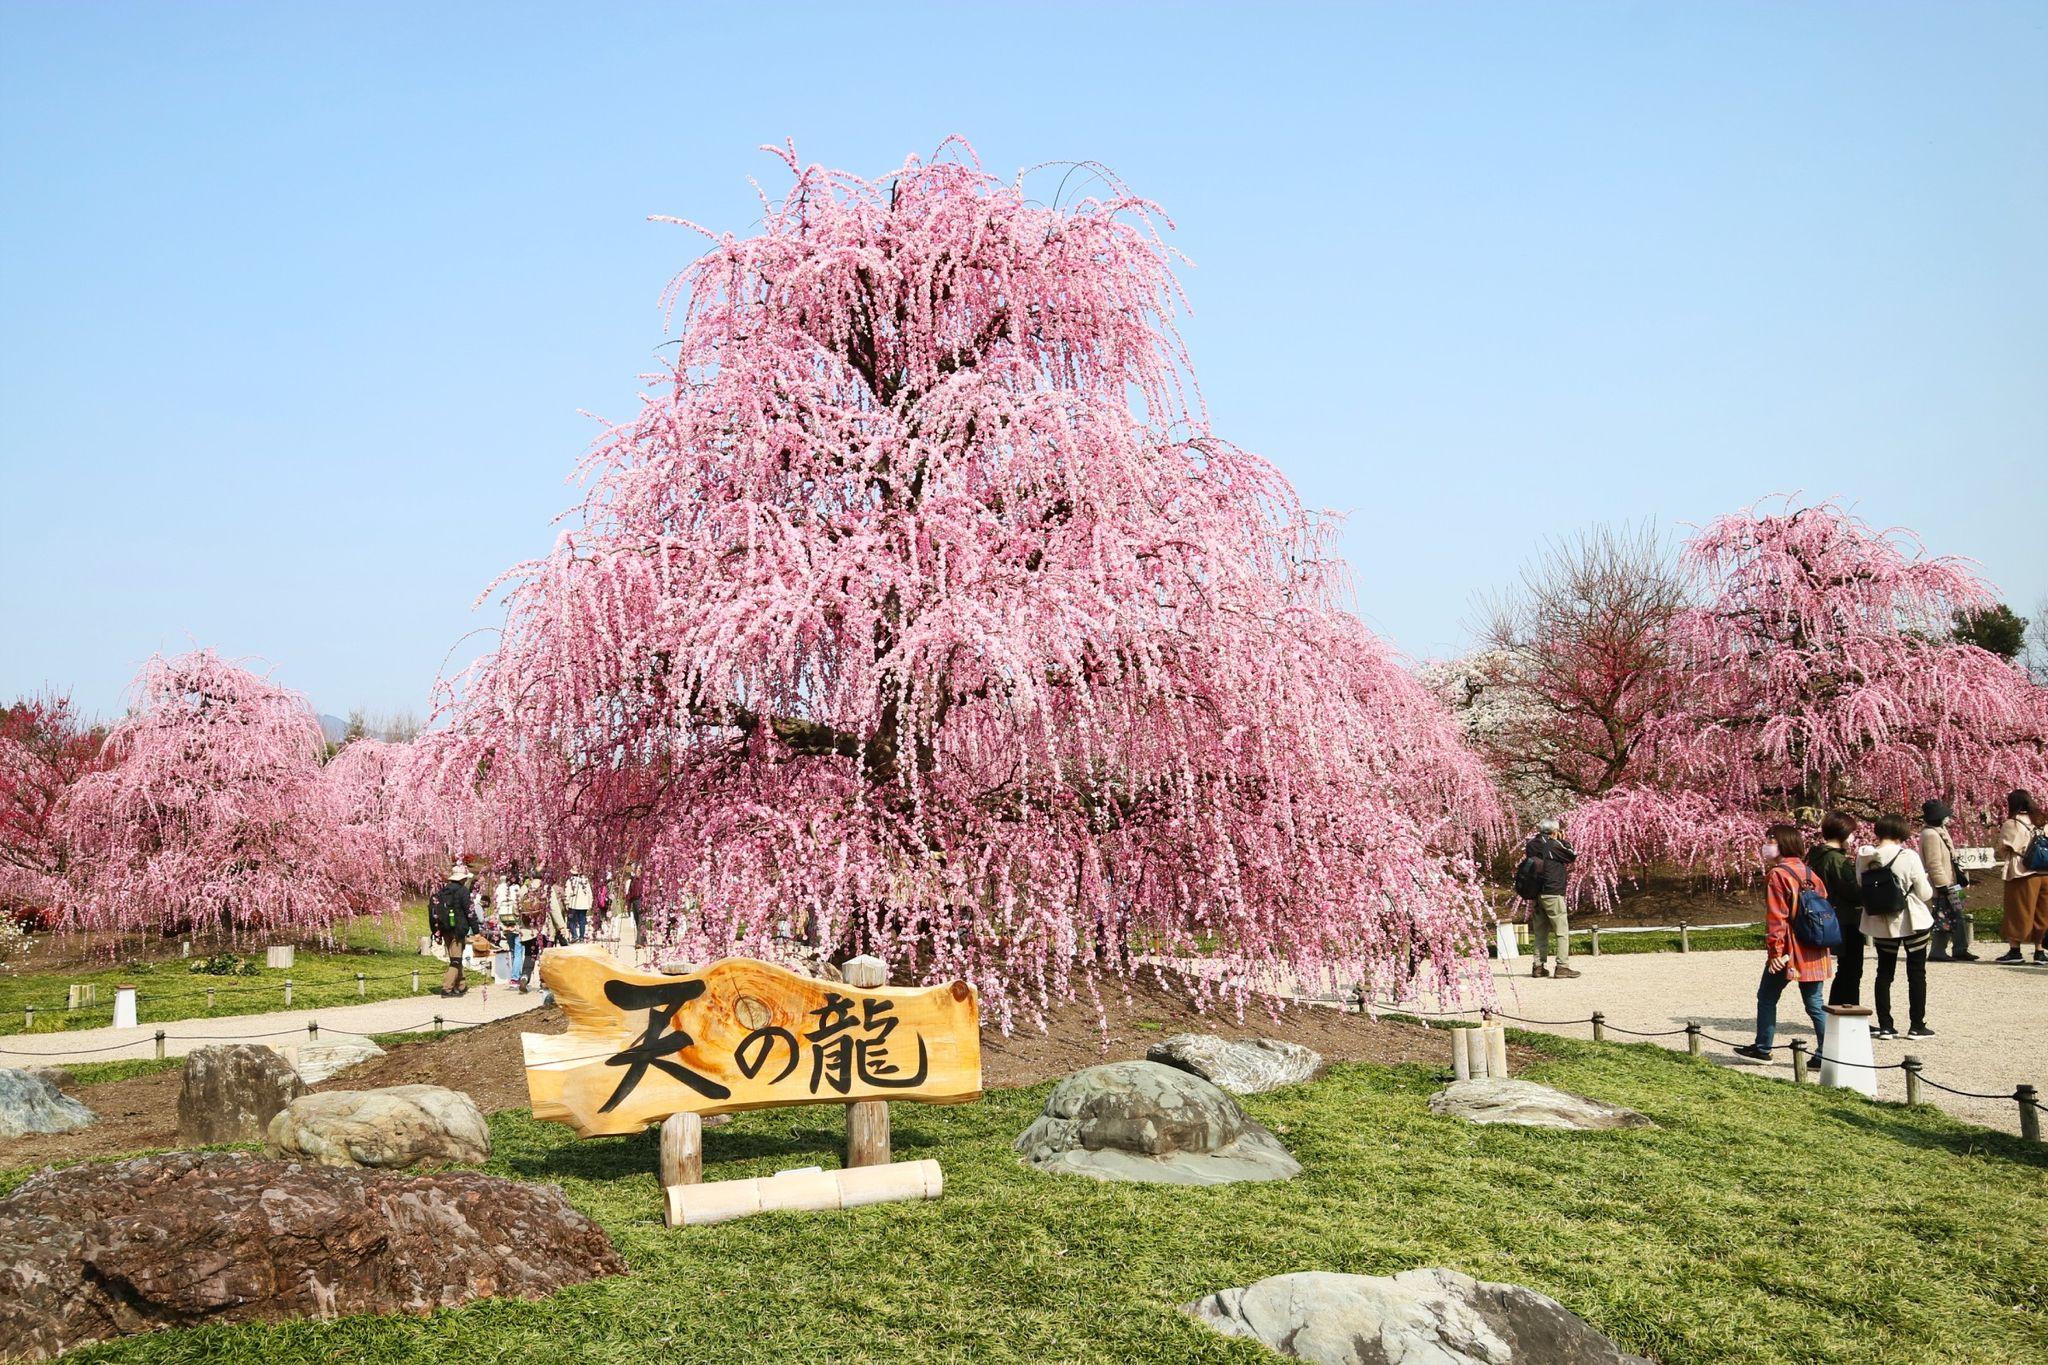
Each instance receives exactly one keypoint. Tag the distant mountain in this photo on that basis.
(332, 728)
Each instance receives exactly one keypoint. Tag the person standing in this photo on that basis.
(451, 917)
(1550, 919)
(1952, 928)
(1786, 958)
(578, 896)
(1898, 919)
(511, 891)
(2026, 889)
(1836, 867)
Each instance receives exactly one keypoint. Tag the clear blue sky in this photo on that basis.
(299, 304)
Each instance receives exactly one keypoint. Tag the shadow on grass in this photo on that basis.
(600, 1159)
(1971, 1142)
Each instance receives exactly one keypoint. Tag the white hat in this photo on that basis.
(459, 872)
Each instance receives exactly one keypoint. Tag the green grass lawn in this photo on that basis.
(384, 950)
(1987, 917)
(1761, 1222)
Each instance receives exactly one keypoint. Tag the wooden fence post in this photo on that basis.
(1684, 939)
(287, 992)
(312, 1030)
(1599, 1019)
(28, 1019)
(1692, 1039)
(415, 981)
(1596, 943)
(682, 1150)
(2030, 1113)
(159, 1044)
(360, 988)
(867, 1121)
(1799, 1061)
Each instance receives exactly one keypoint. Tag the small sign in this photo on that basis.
(1976, 859)
(739, 1034)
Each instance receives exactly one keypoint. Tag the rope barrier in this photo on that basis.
(2022, 1095)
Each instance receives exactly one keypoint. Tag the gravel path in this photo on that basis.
(406, 1012)
(1990, 1021)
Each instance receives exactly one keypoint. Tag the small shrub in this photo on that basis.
(223, 964)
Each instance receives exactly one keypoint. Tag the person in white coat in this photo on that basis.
(1898, 919)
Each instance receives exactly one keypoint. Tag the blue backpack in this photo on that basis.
(1814, 922)
(2035, 859)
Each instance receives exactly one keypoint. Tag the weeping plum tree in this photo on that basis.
(921, 605)
(1818, 672)
(209, 815)
(44, 749)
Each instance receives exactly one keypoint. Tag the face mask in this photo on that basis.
(1769, 851)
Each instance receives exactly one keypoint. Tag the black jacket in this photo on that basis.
(1837, 872)
(1556, 856)
(464, 920)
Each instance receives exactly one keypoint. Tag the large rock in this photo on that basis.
(1502, 1100)
(106, 1249)
(1246, 1066)
(1144, 1121)
(388, 1128)
(30, 1103)
(231, 1093)
(315, 1062)
(1418, 1317)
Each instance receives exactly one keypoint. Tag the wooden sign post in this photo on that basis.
(644, 1048)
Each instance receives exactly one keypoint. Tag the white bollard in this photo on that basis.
(1848, 1043)
(1504, 942)
(124, 1007)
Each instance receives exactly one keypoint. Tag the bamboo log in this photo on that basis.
(1497, 1051)
(1461, 1060)
(1475, 1051)
(807, 1189)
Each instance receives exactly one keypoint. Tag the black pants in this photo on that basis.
(1916, 977)
(1847, 988)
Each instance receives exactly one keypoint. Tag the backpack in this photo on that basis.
(1814, 921)
(1882, 894)
(2035, 859)
(444, 910)
(1529, 877)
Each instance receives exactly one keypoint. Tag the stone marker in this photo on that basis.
(1531, 1105)
(385, 1128)
(1435, 1315)
(31, 1103)
(232, 1092)
(1246, 1066)
(315, 1062)
(1143, 1121)
(107, 1249)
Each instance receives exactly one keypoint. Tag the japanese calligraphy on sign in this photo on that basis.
(739, 1034)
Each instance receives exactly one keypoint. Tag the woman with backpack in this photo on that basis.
(1897, 918)
(1787, 956)
(2020, 844)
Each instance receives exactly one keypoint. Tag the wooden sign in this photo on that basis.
(739, 1034)
(1976, 859)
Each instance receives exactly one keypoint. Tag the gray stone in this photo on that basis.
(231, 1093)
(30, 1103)
(107, 1249)
(1501, 1100)
(1418, 1317)
(1245, 1066)
(385, 1128)
(56, 1075)
(315, 1062)
(1144, 1121)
